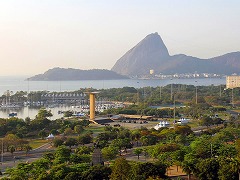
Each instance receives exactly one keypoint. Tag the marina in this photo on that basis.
(57, 110)
(20, 84)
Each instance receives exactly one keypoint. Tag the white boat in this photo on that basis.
(6, 106)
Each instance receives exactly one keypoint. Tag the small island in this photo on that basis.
(70, 74)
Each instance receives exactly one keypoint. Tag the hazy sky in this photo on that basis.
(36, 35)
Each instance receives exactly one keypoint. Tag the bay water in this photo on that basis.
(15, 84)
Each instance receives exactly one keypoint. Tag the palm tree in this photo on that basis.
(137, 151)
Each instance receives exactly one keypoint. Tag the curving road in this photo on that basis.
(10, 161)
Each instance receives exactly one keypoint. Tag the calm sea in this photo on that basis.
(15, 84)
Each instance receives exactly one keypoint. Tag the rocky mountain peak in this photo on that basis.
(145, 54)
(152, 42)
(152, 54)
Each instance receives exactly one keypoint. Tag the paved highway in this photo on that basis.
(20, 156)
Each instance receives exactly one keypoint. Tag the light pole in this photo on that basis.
(138, 94)
(171, 90)
(160, 92)
(174, 110)
(144, 97)
(196, 94)
(232, 95)
(220, 93)
(2, 152)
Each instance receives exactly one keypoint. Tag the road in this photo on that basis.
(20, 156)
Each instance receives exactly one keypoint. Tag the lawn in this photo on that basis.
(95, 128)
(35, 143)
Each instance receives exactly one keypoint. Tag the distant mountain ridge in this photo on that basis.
(151, 53)
(70, 74)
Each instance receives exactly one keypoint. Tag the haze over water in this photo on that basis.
(15, 84)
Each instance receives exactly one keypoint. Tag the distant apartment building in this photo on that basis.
(151, 71)
(232, 82)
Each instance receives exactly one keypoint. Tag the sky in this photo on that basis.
(37, 35)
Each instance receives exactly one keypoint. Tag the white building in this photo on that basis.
(232, 81)
(183, 121)
(162, 124)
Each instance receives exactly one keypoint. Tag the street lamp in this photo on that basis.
(174, 109)
(220, 93)
(171, 90)
(2, 152)
(232, 95)
(196, 94)
(138, 94)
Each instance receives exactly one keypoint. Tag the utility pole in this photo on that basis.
(138, 94)
(220, 93)
(160, 92)
(232, 95)
(196, 94)
(2, 152)
(174, 109)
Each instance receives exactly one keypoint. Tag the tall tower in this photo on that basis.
(92, 99)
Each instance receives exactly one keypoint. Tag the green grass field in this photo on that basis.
(35, 143)
(95, 128)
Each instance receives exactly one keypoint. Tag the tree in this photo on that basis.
(147, 170)
(42, 134)
(148, 140)
(57, 142)
(71, 142)
(43, 113)
(136, 135)
(27, 148)
(10, 139)
(85, 139)
(54, 132)
(27, 120)
(68, 114)
(137, 151)
(121, 143)
(78, 129)
(227, 169)
(59, 171)
(68, 131)
(84, 150)
(97, 172)
(206, 121)
(121, 169)
(62, 154)
(188, 168)
(235, 166)
(109, 153)
(207, 169)
(12, 149)
(178, 157)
